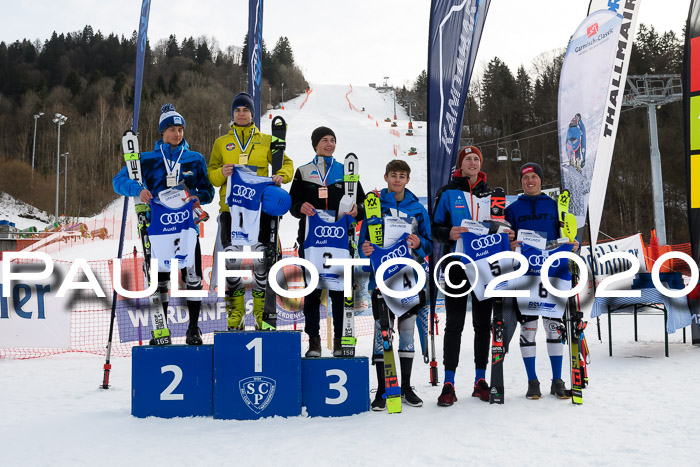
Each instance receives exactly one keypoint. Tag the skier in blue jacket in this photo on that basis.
(538, 212)
(397, 201)
(465, 197)
(170, 163)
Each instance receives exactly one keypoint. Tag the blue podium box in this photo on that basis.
(171, 381)
(257, 374)
(335, 387)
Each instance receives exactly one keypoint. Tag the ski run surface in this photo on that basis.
(641, 408)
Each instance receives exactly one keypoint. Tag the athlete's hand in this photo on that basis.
(353, 211)
(413, 241)
(308, 209)
(145, 196)
(227, 170)
(514, 245)
(367, 248)
(511, 235)
(277, 179)
(194, 198)
(456, 232)
(576, 245)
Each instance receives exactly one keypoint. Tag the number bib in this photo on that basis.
(541, 302)
(327, 240)
(479, 248)
(243, 196)
(173, 235)
(399, 278)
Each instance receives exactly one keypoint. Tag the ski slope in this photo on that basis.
(640, 407)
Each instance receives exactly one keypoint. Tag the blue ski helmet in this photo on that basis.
(275, 201)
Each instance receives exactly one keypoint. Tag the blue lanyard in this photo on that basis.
(244, 148)
(168, 168)
(328, 170)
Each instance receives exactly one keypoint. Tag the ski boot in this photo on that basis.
(258, 307)
(235, 310)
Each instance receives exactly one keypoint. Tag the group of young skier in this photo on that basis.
(177, 180)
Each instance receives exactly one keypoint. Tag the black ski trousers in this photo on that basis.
(456, 311)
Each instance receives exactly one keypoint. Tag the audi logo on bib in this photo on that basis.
(538, 260)
(243, 191)
(329, 231)
(400, 252)
(485, 242)
(174, 218)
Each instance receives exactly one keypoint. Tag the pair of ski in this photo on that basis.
(272, 249)
(392, 391)
(573, 318)
(132, 157)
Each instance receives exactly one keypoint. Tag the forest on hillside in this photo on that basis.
(89, 77)
(510, 110)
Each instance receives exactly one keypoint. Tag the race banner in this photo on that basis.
(691, 117)
(591, 88)
(632, 244)
(255, 22)
(453, 41)
(33, 316)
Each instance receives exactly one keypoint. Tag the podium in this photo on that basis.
(246, 376)
(171, 381)
(257, 374)
(335, 387)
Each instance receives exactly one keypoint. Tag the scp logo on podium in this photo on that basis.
(257, 392)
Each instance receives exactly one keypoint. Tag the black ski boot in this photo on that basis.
(559, 390)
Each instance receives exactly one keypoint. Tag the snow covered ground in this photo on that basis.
(640, 407)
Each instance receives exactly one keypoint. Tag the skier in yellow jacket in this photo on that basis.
(244, 144)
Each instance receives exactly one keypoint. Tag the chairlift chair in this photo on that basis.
(515, 154)
(501, 153)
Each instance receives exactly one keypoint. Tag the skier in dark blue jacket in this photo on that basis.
(397, 201)
(170, 163)
(536, 211)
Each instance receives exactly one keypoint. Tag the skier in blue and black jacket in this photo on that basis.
(465, 197)
(536, 211)
(397, 201)
(170, 163)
